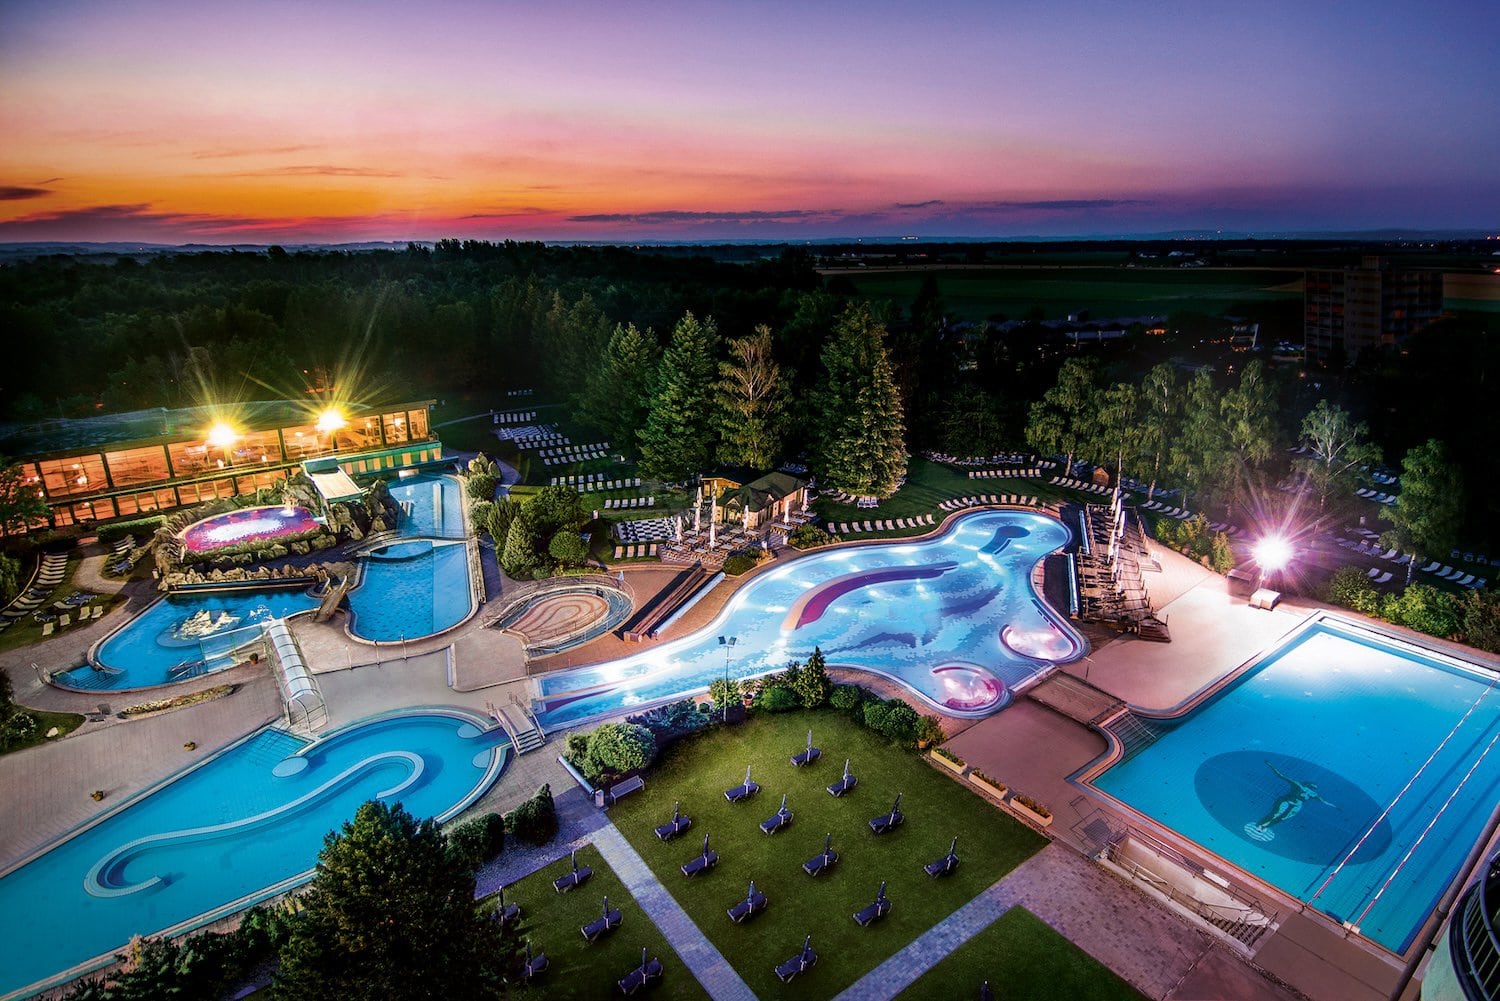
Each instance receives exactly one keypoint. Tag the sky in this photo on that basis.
(258, 122)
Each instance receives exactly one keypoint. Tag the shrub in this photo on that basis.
(576, 750)
(141, 528)
(738, 564)
(474, 842)
(1031, 804)
(929, 730)
(726, 692)
(10, 578)
(1350, 588)
(568, 549)
(943, 752)
(620, 747)
(900, 723)
(534, 821)
(776, 699)
(1479, 613)
(808, 537)
(1424, 608)
(811, 683)
(875, 715)
(1221, 555)
(846, 698)
(19, 727)
(672, 721)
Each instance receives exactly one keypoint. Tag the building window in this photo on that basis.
(80, 474)
(135, 466)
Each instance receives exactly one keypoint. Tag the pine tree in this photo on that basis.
(618, 396)
(812, 685)
(677, 441)
(751, 402)
(390, 915)
(860, 445)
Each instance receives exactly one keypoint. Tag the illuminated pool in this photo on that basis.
(953, 618)
(1348, 768)
(247, 823)
(251, 524)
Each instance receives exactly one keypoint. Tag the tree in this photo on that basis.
(812, 685)
(860, 444)
(568, 549)
(484, 476)
(20, 502)
(1062, 421)
(677, 440)
(621, 747)
(1249, 415)
(1117, 427)
(1337, 450)
(552, 509)
(390, 915)
(752, 402)
(519, 558)
(1160, 417)
(618, 395)
(725, 692)
(1429, 509)
(1199, 456)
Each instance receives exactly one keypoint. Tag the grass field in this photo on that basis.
(697, 772)
(1021, 957)
(552, 923)
(1104, 292)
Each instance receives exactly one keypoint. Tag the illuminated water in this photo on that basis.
(1357, 716)
(954, 618)
(253, 524)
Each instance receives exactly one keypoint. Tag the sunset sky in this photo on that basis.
(299, 122)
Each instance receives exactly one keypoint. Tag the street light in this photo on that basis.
(1272, 553)
(727, 642)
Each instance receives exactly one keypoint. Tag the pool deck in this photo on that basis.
(1029, 746)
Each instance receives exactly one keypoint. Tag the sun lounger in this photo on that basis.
(944, 866)
(534, 966)
(1468, 579)
(844, 784)
(781, 819)
(48, 628)
(608, 921)
(823, 861)
(1383, 577)
(506, 914)
(798, 964)
(1429, 568)
(807, 756)
(707, 860)
(674, 827)
(753, 904)
(744, 790)
(641, 976)
(888, 822)
(866, 916)
(1372, 573)
(574, 878)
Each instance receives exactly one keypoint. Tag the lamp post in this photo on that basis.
(727, 642)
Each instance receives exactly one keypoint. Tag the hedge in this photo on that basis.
(141, 528)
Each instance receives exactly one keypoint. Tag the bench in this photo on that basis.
(621, 789)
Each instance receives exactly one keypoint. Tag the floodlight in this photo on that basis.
(330, 420)
(221, 435)
(1272, 553)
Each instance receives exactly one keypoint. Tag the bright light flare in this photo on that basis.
(331, 420)
(221, 435)
(1273, 552)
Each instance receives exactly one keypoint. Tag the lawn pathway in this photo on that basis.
(698, 953)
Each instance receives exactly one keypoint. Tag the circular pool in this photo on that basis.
(251, 524)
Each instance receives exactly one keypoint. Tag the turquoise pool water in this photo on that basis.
(183, 631)
(954, 618)
(431, 506)
(1395, 743)
(245, 821)
(411, 589)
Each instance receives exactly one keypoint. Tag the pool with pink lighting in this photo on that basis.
(953, 618)
(251, 524)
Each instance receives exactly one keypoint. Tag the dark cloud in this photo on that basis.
(1058, 205)
(930, 203)
(16, 193)
(673, 216)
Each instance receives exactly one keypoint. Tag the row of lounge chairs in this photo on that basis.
(1367, 549)
(1072, 483)
(646, 550)
(569, 450)
(514, 417)
(1468, 557)
(595, 482)
(886, 525)
(1455, 574)
(1003, 474)
(978, 500)
(569, 459)
(1376, 496)
(50, 573)
(625, 503)
(645, 530)
(997, 459)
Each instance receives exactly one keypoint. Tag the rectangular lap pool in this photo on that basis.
(1350, 769)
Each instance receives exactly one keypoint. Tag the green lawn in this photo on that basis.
(699, 770)
(1021, 957)
(927, 485)
(65, 723)
(552, 923)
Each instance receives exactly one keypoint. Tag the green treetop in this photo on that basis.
(860, 439)
(677, 440)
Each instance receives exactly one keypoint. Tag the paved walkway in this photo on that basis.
(698, 953)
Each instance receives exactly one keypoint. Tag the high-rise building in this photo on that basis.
(1373, 305)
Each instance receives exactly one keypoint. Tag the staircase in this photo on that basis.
(1131, 731)
(525, 738)
(1154, 629)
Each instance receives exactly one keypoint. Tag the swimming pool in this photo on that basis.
(184, 633)
(431, 506)
(246, 823)
(954, 618)
(1348, 768)
(251, 524)
(411, 589)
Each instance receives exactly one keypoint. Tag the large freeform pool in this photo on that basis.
(1349, 769)
(954, 618)
(248, 822)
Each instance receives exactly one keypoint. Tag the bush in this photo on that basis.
(576, 750)
(811, 683)
(929, 730)
(738, 564)
(808, 537)
(846, 698)
(776, 699)
(19, 727)
(672, 721)
(534, 821)
(875, 715)
(726, 692)
(1479, 612)
(519, 559)
(10, 578)
(1221, 555)
(568, 549)
(1424, 608)
(900, 724)
(141, 528)
(1350, 588)
(474, 842)
(620, 747)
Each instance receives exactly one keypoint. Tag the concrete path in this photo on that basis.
(698, 953)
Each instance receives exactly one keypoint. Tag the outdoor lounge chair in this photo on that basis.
(985, 993)
(823, 861)
(535, 965)
(866, 916)
(574, 878)
(844, 784)
(677, 825)
(753, 904)
(780, 819)
(946, 865)
(808, 756)
(743, 791)
(605, 923)
(506, 914)
(800, 963)
(702, 863)
(642, 975)
(888, 822)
